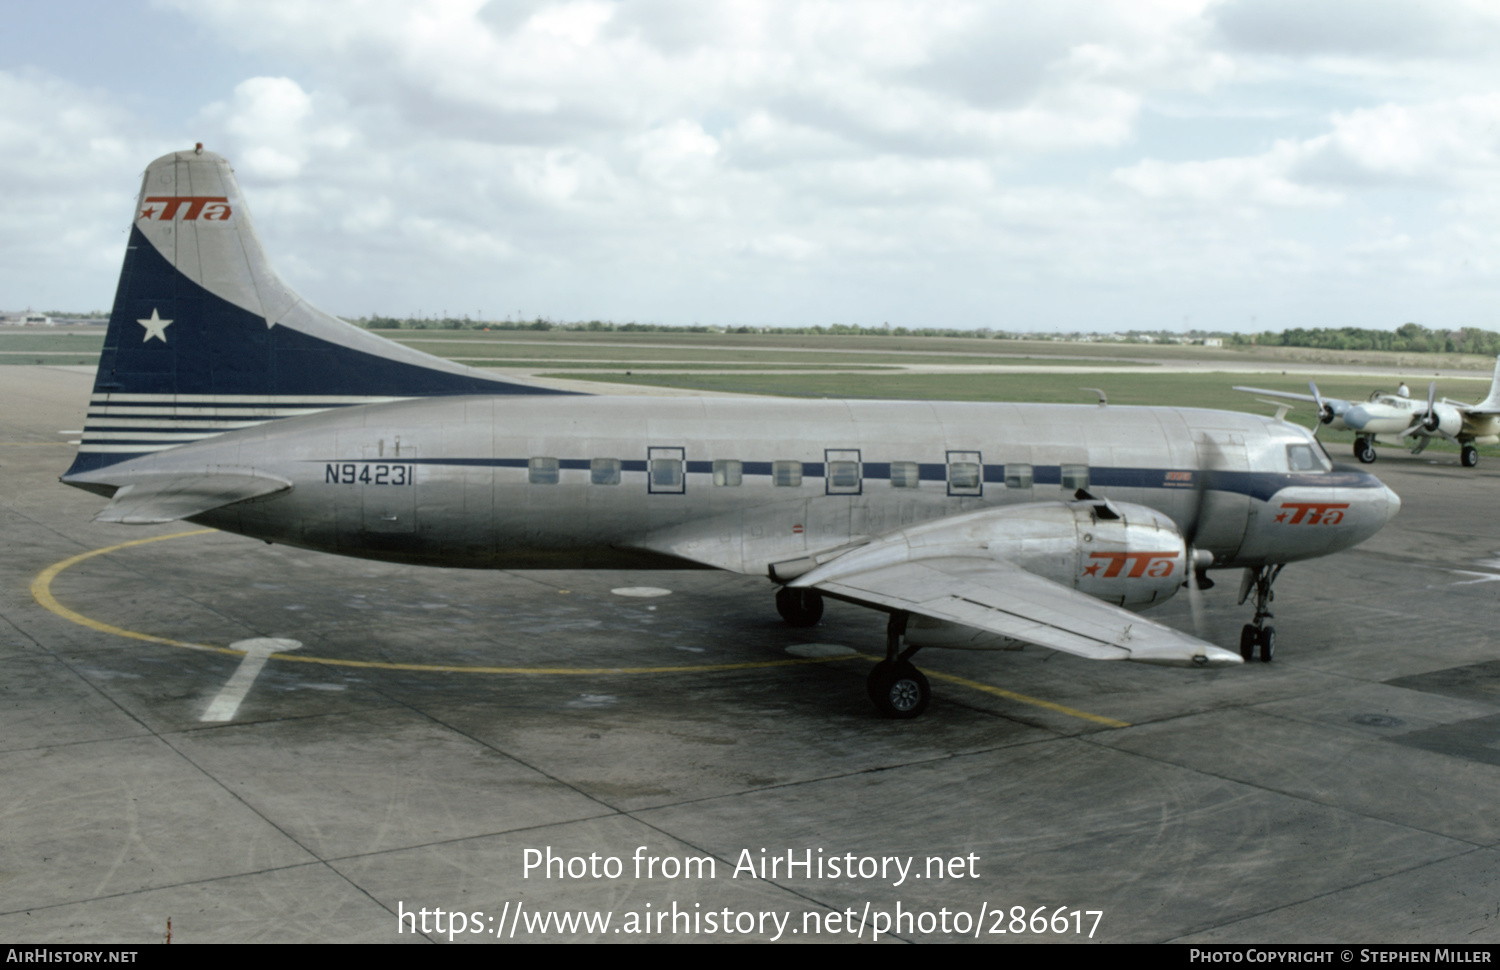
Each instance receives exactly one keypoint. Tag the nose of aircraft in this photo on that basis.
(1357, 417)
(1392, 503)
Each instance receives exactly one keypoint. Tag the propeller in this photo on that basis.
(1197, 560)
(1428, 422)
(1325, 410)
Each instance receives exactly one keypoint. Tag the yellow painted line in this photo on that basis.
(41, 591)
(1022, 698)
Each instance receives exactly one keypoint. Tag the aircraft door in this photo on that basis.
(828, 516)
(1222, 513)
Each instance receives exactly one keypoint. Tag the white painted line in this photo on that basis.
(644, 591)
(257, 652)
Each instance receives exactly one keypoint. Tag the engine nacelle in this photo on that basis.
(1124, 554)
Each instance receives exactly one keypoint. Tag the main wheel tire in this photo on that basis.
(1248, 637)
(1469, 456)
(1267, 640)
(1364, 451)
(875, 683)
(903, 691)
(799, 607)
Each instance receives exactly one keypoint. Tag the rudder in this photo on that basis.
(205, 338)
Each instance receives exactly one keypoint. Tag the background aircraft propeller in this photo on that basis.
(1325, 410)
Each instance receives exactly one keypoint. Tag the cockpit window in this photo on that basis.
(1305, 458)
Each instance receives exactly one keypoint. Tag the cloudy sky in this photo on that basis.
(1074, 165)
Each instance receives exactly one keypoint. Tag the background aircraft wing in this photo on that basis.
(1285, 395)
(1002, 598)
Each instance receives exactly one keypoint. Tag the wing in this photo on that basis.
(1001, 598)
(166, 498)
(1284, 395)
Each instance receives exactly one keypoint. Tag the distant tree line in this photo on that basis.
(1408, 338)
(600, 326)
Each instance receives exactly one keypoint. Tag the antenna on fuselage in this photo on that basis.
(1103, 400)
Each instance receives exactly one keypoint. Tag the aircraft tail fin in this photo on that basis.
(1491, 404)
(204, 337)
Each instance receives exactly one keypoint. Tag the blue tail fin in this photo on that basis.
(204, 336)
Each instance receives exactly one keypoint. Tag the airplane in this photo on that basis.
(1393, 417)
(225, 399)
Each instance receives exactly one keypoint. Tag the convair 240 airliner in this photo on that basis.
(224, 399)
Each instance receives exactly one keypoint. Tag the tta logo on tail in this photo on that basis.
(212, 208)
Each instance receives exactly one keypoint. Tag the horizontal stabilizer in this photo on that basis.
(148, 499)
(1002, 598)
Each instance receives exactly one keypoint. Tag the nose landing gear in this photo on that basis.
(1256, 636)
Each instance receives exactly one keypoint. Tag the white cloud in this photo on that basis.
(770, 159)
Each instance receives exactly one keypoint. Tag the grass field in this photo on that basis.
(867, 366)
(1171, 389)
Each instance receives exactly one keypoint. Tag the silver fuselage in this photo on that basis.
(509, 482)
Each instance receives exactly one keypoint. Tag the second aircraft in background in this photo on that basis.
(1394, 418)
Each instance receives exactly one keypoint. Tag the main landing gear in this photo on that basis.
(896, 687)
(1469, 456)
(1256, 636)
(1364, 450)
(799, 607)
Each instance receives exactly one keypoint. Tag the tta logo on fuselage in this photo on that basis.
(1141, 564)
(165, 208)
(1312, 513)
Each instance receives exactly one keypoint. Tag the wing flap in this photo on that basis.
(148, 499)
(999, 597)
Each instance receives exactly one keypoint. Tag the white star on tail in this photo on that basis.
(155, 327)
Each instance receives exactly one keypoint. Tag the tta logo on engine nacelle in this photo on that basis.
(1141, 564)
(211, 208)
(1312, 513)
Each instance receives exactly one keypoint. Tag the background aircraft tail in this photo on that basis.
(204, 337)
(1491, 404)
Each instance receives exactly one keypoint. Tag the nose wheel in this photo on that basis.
(896, 687)
(1257, 637)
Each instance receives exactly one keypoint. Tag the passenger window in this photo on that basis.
(1075, 476)
(904, 474)
(604, 471)
(965, 473)
(787, 473)
(843, 474)
(728, 472)
(666, 474)
(542, 471)
(1017, 476)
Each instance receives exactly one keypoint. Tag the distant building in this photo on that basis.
(1213, 341)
